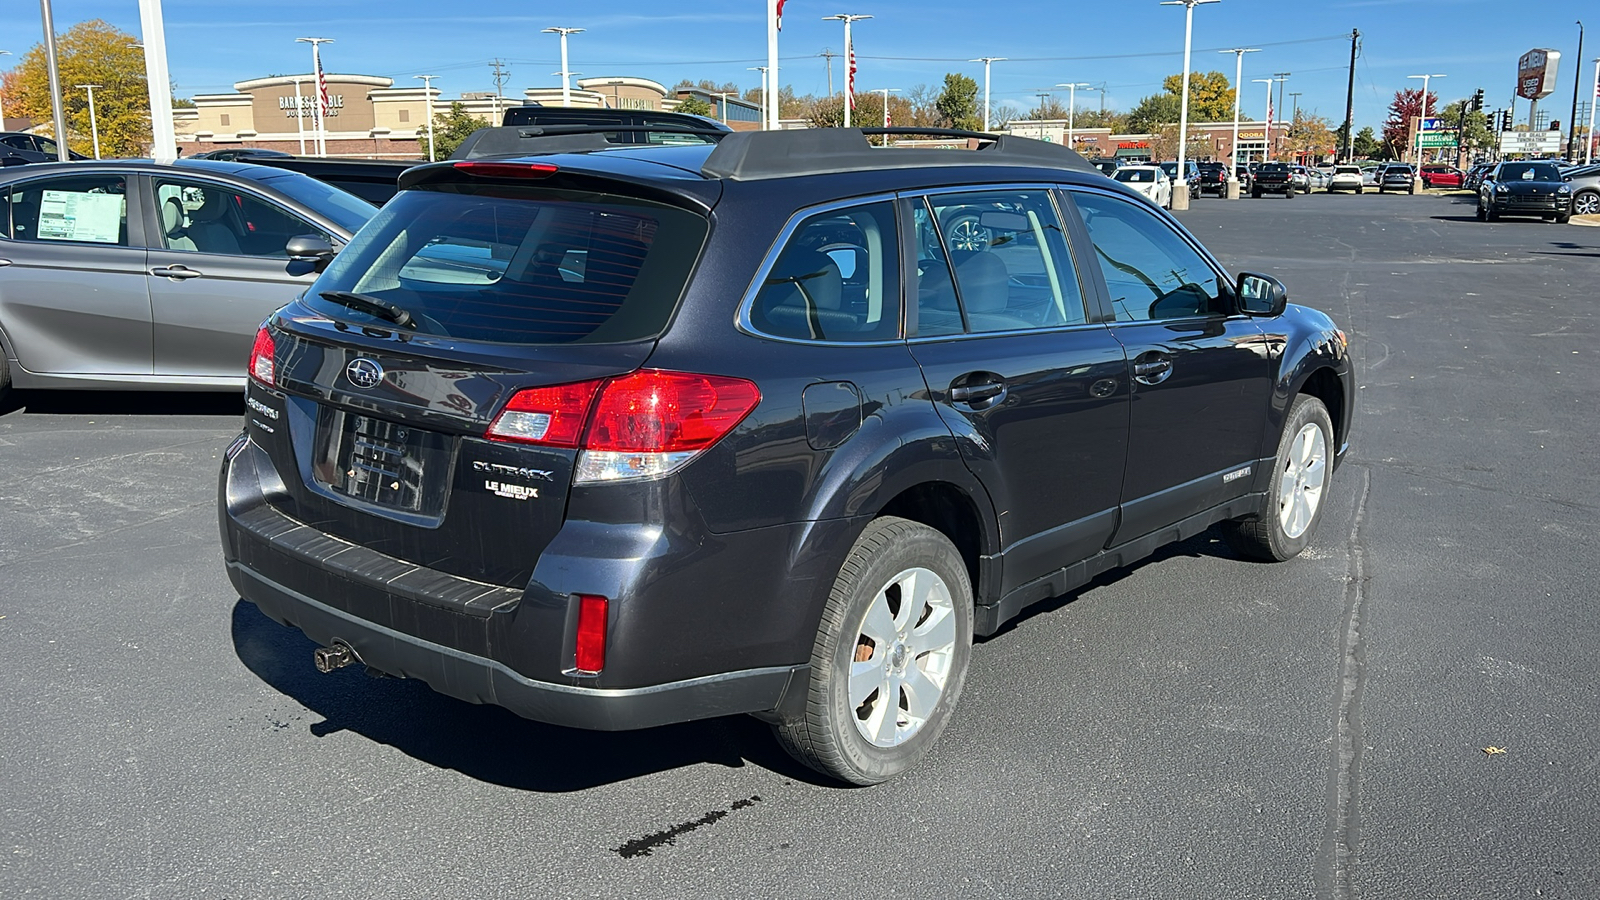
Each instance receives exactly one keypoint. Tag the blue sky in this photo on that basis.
(1130, 45)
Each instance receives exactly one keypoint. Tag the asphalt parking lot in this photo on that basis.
(1407, 710)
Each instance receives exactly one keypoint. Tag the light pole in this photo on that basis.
(427, 90)
(1266, 149)
(1072, 105)
(566, 72)
(300, 115)
(1238, 85)
(1180, 190)
(2, 101)
(1588, 144)
(319, 91)
(58, 116)
(1572, 120)
(987, 61)
(724, 96)
(849, 61)
(763, 71)
(886, 92)
(1296, 113)
(94, 126)
(1417, 175)
(1283, 79)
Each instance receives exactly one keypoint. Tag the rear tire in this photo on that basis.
(1298, 491)
(5, 376)
(898, 622)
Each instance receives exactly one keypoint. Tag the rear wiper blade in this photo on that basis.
(376, 306)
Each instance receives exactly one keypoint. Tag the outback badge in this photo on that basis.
(364, 373)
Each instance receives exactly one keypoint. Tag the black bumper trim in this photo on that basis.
(476, 679)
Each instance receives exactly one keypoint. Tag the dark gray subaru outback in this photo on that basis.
(628, 436)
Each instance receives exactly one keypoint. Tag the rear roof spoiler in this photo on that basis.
(757, 155)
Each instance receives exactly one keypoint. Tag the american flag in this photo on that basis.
(850, 77)
(780, 14)
(322, 87)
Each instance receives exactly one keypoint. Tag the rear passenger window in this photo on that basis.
(837, 279)
(1010, 259)
(85, 209)
(1150, 271)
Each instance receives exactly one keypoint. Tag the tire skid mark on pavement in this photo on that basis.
(1341, 839)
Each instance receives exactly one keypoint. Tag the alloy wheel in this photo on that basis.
(1305, 472)
(905, 648)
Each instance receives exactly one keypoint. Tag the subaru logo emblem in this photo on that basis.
(364, 373)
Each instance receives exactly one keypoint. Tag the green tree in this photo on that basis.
(958, 103)
(1153, 112)
(1475, 131)
(92, 52)
(694, 106)
(452, 127)
(1210, 95)
(1366, 145)
(1049, 107)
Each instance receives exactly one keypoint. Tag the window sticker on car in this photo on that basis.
(71, 216)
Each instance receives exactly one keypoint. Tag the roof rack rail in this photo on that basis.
(527, 140)
(757, 155)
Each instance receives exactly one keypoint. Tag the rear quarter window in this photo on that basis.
(513, 265)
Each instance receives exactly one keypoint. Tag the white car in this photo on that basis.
(1150, 181)
(1369, 176)
(1346, 178)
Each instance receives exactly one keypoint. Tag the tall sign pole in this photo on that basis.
(769, 98)
(163, 136)
(319, 94)
(1238, 88)
(56, 113)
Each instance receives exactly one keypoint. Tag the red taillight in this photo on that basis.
(261, 367)
(591, 643)
(551, 416)
(651, 411)
(505, 169)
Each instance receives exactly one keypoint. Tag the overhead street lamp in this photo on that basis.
(1417, 175)
(849, 60)
(1072, 105)
(94, 126)
(987, 61)
(1266, 151)
(1238, 85)
(427, 88)
(1180, 190)
(566, 73)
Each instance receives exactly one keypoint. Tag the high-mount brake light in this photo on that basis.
(261, 353)
(506, 169)
(645, 424)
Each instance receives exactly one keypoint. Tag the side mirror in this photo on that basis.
(310, 248)
(1261, 295)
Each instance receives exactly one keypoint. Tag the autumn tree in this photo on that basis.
(1210, 95)
(92, 52)
(1407, 105)
(1309, 136)
(1050, 107)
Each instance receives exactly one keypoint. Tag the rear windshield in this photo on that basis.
(513, 265)
(1136, 176)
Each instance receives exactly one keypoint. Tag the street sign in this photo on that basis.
(1433, 123)
(1531, 143)
(1536, 74)
(1433, 140)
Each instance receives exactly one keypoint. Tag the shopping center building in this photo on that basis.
(369, 116)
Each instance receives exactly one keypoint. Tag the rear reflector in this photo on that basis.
(591, 643)
(506, 170)
(261, 367)
(645, 424)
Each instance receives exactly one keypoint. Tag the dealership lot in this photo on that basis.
(1194, 726)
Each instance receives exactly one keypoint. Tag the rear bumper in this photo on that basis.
(476, 679)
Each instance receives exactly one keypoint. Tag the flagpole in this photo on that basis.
(1588, 147)
(770, 114)
(320, 91)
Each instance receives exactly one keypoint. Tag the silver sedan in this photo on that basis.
(136, 274)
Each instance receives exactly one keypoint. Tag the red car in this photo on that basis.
(1441, 176)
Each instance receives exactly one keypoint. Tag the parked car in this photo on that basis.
(373, 180)
(1525, 189)
(1345, 178)
(19, 146)
(134, 274)
(1397, 177)
(731, 429)
(1317, 178)
(1441, 176)
(1474, 176)
(1191, 176)
(1151, 181)
(1213, 178)
(242, 154)
(1300, 176)
(1273, 178)
(1369, 175)
(1108, 165)
(1585, 184)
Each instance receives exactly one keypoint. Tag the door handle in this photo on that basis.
(178, 272)
(976, 393)
(1152, 368)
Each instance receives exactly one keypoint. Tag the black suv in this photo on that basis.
(641, 435)
(1525, 188)
(1272, 178)
(1397, 177)
(1213, 178)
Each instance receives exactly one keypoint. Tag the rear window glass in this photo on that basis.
(519, 266)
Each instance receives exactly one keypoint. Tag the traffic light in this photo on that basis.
(1477, 101)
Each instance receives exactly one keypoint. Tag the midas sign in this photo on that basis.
(1536, 74)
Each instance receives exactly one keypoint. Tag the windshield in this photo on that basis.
(339, 206)
(519, 265)
(1528, 172)
(1135, 176)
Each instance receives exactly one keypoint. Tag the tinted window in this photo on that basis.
(517, 265)
(1012, 268)
(1150, 271)
(91, 209)
(837, 279)
(205, 217)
